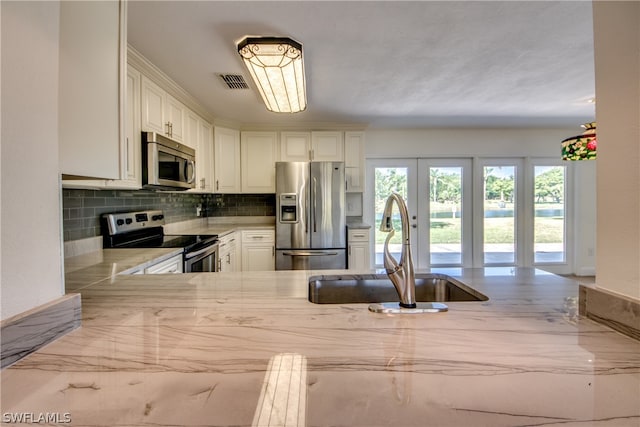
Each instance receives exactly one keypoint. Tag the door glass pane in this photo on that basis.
(388, 180)
(499, 215)
(549, 222)
(445, 214)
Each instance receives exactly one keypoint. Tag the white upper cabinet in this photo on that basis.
(204, 154)
(354, 161)
(319, 146)
(130, 156)
(91, 81)
(259, 152)
(327, 146)
(226, 160)
(153, 107)
(162, 113)
(176, 113)
(199, 133)
(295, 146)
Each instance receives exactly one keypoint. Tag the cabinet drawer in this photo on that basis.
(171, 265)
(358, 235)
(258, 236)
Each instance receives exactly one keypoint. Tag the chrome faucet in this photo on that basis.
(400, 273)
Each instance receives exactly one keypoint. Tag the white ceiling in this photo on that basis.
(386, 63)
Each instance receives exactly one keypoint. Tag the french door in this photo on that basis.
(386, 176)
(474, 212)
(438, 196)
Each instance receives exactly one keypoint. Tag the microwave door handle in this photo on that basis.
(193, 170)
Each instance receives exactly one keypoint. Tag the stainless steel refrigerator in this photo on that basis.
(310, 216)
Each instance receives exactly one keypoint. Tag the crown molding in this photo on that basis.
(155, 74)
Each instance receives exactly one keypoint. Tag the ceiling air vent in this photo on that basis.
(234, 81)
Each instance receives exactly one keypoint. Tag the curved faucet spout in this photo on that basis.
(400, 273)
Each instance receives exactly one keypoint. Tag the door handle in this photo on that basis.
(315, 200)
(310, 253)
(193, 170)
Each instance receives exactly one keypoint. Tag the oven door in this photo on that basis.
(202, 261)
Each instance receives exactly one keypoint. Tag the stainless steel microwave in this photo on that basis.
(167, 164)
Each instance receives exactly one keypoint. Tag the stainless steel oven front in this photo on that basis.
(203, 260)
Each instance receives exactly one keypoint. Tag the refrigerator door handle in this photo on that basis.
(315, 203)
(296, 253)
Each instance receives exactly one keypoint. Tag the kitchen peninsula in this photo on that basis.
(193, 349)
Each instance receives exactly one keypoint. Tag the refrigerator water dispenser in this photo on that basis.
(288, 208)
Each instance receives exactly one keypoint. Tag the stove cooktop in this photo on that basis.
(144, 229)
(188, 242)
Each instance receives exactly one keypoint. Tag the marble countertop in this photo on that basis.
(221, 349)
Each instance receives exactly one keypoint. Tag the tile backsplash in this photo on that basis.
(81, 209)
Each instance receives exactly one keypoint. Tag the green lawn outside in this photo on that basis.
(497, 230)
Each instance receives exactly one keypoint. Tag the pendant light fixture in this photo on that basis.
(275, 65)
(583, 146)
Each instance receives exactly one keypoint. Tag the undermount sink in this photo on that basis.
(374, 288)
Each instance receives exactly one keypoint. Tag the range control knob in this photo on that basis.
(120, 222)
(157, 217)
(128, 220)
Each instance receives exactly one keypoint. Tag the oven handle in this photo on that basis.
(190, 255)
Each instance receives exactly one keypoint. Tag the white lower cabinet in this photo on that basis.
(227, 253)
(359, 254)
(171, 265)
(258, 250)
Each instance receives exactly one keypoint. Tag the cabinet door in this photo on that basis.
(226, 160)
(131, 149)
(258, 250)
(175, 114)
(258, 257)
(130, 173)
(354, 161)
(258, 152)
(91, 88)
(295, 146)
(358, 250)
(327, 146)
(358, 257)
(228, 260)
(192, 131)
(153, 108)
(204, 156)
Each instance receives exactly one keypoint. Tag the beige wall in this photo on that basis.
(617, 66)
(31, 273)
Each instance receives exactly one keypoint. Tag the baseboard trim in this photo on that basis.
(25, 333)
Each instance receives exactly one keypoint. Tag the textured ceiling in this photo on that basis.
(386, 63)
